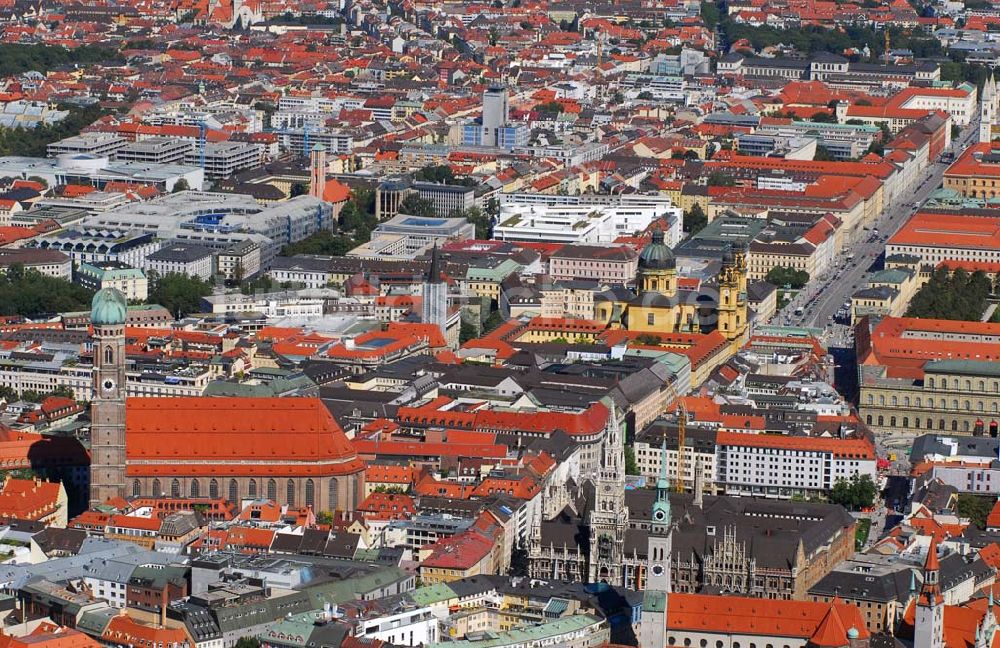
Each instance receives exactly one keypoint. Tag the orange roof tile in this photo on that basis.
(962, 231)
(736, 615)
(29, 499)
(854, 448)
(48, 635)
(295, 436)
(388, 474)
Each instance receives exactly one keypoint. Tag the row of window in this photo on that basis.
(955, 424)
(270, 490)
(671, 640)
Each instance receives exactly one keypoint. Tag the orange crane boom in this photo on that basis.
(681, 449)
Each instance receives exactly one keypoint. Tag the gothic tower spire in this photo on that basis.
(434, 308)
(928, 628)
(608, 518)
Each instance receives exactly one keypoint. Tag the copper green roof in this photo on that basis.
(657, 255)
(108, 307)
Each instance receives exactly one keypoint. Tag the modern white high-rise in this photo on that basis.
(496, 110)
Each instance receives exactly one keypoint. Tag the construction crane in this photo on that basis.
(682, 417)
(681, 449)
(202, 137)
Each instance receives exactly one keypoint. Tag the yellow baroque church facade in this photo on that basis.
(658, 307)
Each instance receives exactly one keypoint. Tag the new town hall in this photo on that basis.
(749, 546)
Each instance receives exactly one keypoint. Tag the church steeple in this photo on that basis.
(661, 508)
(653, 628)
(434, 271)
(928, 627)
(988, 109)
(107, 406)
(434, 307)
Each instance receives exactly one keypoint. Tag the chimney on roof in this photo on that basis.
(163, 606)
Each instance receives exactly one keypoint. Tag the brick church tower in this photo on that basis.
(107, 408)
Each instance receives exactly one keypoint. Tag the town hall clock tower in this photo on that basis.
(653, 626)
(609, 516)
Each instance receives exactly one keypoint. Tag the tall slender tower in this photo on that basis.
(317, 171)
(732, 309)
(928, 627)
(609, 517)
(653, 628)
(107, 406)
(987, 109)
(434, 307)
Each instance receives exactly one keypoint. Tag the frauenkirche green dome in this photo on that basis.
(108, 308)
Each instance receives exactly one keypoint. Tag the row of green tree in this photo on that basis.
(782, 276)
(953, 296)
(9, 394)
(16, 58)
(811, 39)
(178, 293)
(29, 293)
(974, 508)
(854, 493)
(33, 142)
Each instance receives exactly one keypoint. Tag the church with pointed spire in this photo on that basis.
(653, 630)
(929, 626)
(593, 538)
(434, 300)
(988, 110)
(932, 623)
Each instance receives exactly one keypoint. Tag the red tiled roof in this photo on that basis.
(28, 499)
(459, 552)
(424, 449)
(590, 421)
(736, 615)
(217, 435)
(962, 231)
(135, 522)
(388, 474)
(387, 506)
(853, 448)
(48, 635)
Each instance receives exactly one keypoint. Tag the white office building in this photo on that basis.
(87, 143)
(778, 466)
(157, 150)
(218, 220)
(583, 220)
(223, 159)
(291, 303)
